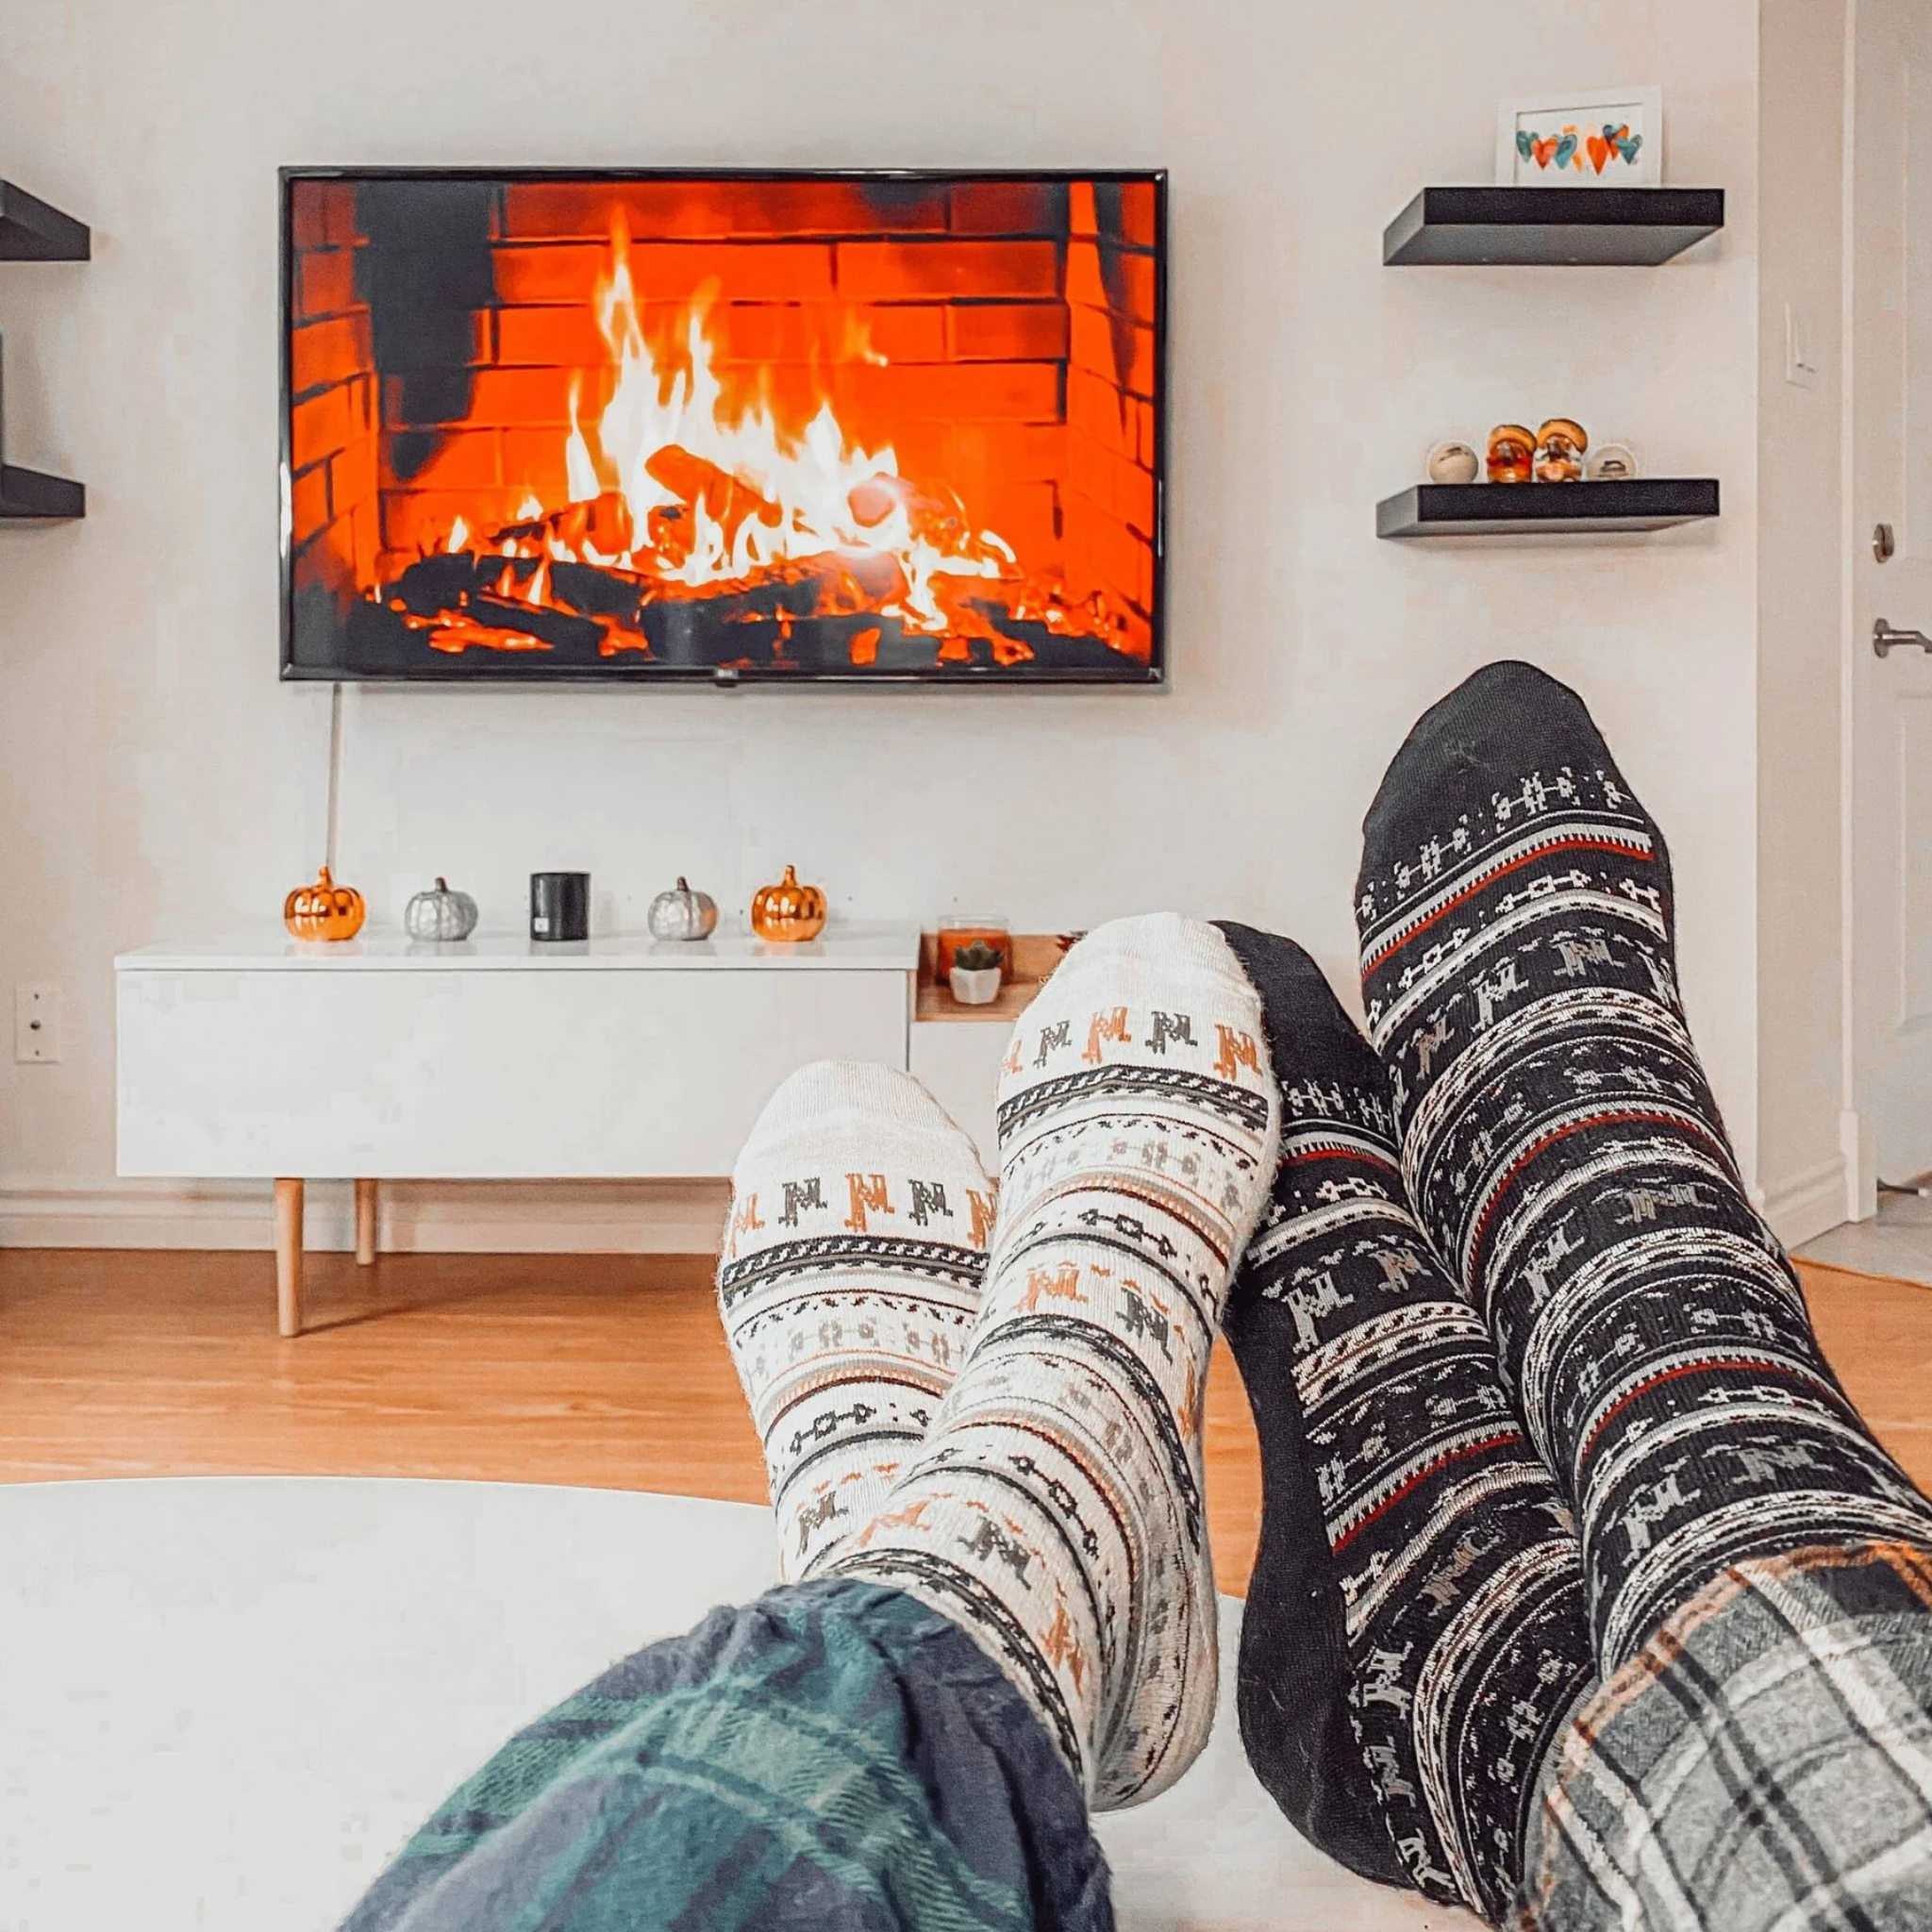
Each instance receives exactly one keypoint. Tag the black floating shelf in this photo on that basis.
(1507, 510)
(1596, 227)
(29, 496)
(30, 230)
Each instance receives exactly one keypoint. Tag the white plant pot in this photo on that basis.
(975, 988)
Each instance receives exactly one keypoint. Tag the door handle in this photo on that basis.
(1884, 639)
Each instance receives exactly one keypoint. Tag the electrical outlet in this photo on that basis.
(37, 1024)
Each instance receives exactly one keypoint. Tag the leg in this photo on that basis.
(1761, 1763)
(1565, 1152)
(367, 1204)
(1760, 1571)
(836, 1751)
(1054, 1513)
(289, 1257)
(849, 1285)
(1416, 1637)
(830, 1757)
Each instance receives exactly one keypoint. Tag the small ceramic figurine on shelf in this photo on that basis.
(1559, 447)
(439, 914)
(683, 913)
(1512, 453)
(788, 913)
(323, 910)
(1611, 463)
(1453, 462)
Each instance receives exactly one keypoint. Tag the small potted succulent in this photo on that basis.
(976, 974)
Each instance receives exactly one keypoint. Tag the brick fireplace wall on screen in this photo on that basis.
(333, 509)
(1113, 423)
(1000, 335)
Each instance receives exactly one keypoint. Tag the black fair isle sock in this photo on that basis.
(1415, 1633)
(1563, 1149)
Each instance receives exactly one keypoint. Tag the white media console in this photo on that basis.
(496, 1059)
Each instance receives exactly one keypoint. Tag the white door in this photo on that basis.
(1892, 696)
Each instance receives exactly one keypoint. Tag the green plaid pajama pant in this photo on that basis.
(834, 1756)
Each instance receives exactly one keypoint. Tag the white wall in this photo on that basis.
(1801, 624)
(155, 780)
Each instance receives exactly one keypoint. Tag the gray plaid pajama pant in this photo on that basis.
(1765, 1765)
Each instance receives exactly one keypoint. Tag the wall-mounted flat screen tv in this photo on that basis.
(649, 425)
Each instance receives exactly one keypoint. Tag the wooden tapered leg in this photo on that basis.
(289, 1257)
(367, 1202)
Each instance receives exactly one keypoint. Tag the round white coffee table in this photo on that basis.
(226, 1701)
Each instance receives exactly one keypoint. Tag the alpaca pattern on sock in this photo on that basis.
(1454, 1560)
(1056, 1510)
(1562, 1145)
(848, 1287)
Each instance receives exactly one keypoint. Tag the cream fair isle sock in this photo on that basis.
(1056, 1508)
(849, 1285)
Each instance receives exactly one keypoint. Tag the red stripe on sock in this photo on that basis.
(1663, 1376)
(1347, 1154)
(1478, 885)
(1601, 1120)
(1423, 1475)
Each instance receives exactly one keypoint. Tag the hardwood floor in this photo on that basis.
(608, 1371)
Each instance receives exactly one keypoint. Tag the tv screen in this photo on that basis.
(646, 426)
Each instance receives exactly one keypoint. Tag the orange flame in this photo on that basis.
(685, 487)
(714, 496)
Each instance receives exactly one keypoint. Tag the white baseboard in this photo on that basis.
(1805, 1205)
(418, 1217)
(1861, 1165)
(524, 1217)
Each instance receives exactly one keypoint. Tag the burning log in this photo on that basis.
(557, 628)
(728, 500)
(434, 584)
(460, 634)
(940, 519)
(671, 530)
(601, 589)
(875, 499)
(492, 592)
(604, 522)
(577, 607)
(871, 578)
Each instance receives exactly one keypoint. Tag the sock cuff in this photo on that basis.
(823, 1090)
(1150, 946)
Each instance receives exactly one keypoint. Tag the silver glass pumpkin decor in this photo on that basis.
(440, 914)
(683, 913)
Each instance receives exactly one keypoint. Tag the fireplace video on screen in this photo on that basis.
(769, 427)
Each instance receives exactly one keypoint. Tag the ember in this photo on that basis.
(783, 426)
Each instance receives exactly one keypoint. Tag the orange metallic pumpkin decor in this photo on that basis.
(323, 910)
(788, 912)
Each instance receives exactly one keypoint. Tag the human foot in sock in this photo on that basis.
(1562, 1147)
(849, 1285)
(1415, 1630)
(1055, 1509)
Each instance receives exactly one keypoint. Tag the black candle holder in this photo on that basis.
(559, 906)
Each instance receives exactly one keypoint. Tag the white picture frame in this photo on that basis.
(1563, 134)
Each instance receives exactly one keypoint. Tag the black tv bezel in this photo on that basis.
(518, 669)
